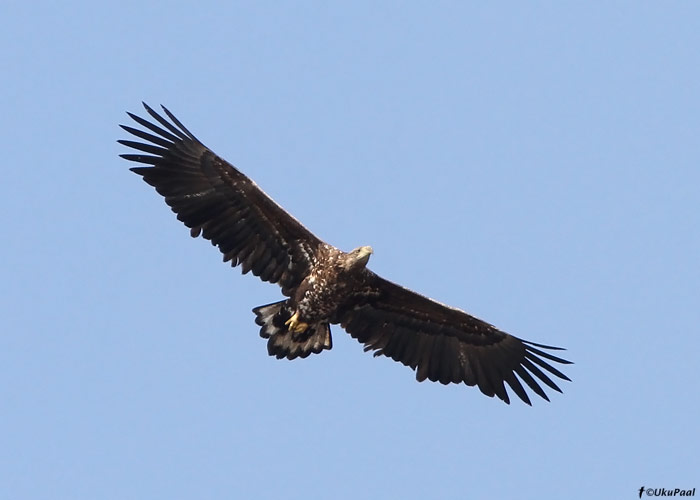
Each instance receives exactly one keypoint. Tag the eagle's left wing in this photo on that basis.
(445, 344)
(216, 200)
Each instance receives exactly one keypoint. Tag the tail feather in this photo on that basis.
(285, 344)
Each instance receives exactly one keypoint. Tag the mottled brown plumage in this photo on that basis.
(324, 285)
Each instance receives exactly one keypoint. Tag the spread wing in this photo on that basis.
(445, 344)
(217, 201)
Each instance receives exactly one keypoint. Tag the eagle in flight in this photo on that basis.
(323, 284)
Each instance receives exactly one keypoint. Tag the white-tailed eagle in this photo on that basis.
(323, 284)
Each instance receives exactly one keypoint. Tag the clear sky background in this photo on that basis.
(534, 163)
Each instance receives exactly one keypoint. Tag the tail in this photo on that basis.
(285, 344)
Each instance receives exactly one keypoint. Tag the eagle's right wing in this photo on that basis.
(217, 201)
(445, 344)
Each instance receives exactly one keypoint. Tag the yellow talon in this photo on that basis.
(295, 325)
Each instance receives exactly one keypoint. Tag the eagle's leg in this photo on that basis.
(295, 325)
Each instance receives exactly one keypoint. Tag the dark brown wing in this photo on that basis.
(445, 344)
(217, 201)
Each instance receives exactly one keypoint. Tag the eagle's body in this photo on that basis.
(335, 276)
(323, 284)
(299, 325)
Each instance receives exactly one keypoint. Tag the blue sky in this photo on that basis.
(536, 164)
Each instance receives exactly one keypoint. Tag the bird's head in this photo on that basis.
(359, 257)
